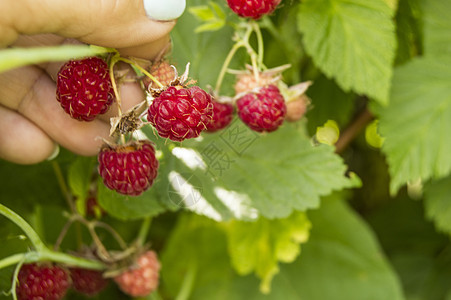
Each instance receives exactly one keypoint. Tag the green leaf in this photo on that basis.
(420, 255)
(129, 207)
(240, 174)
(212, 16)
(408, 31)
(203, 12)
(437, 203)
(417, 122)
(213, 25)
(437, 27)
(218, 10)
(341, 260)
(352, 41)
(257, 172)
(17, 57)
(79, 176)
(259, 246)
(204, 250)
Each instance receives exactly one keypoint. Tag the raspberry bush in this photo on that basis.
(302, 153)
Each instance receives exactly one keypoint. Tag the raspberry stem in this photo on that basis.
(113, 62)
(243, 41)
(260, 43)
(41, 253)
(16, 279)
(29, 231)
(226, 65)
(63, 186)
(143, 231)
(67, 195)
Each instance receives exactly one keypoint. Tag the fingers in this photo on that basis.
(121, 24)
(21, 141)
(31, 93)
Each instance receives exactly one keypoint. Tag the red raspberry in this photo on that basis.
(263, 110)
(87, 282)
(142, 279)
(181, 113)
(254, 9)
(42, 282)
(84, 88)
(163, 72)
(128, 169)
(222, 116)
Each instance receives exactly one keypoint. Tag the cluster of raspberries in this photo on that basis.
(177, 112)
(46, 281)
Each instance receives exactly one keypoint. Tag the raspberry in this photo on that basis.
(84, 88)
(254, 9)
(163, 72)
(222, 116)
(297, 108)
(142, 279)
(87, 282)
(247, 82)
(263, 110)
(180, 113)
(42, 282)
(128, 169)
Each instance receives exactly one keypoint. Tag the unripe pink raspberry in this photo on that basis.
(247, 82)
(263, 110)
(128, 169)
(84, 88)
(142, 278)
(163, 72)
(297, 108)
(180, 113)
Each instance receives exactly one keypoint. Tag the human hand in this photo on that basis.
(31, 120)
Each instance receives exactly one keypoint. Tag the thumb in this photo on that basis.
(122, 24)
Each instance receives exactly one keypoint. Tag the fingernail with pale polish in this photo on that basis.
(55, 153)
(164, 10)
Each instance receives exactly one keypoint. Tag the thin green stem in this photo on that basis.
(63, 186)
(188, 284)
(15, 279)
(113, 233)
(260, 44)
(136, 65)
(62, 234)
(143, 231)
(226, 64)
(12, 260)
(113, 62)
(29, 231)
(255, 68)
(49, 255)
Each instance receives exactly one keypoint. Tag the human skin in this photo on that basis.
(32, 123)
